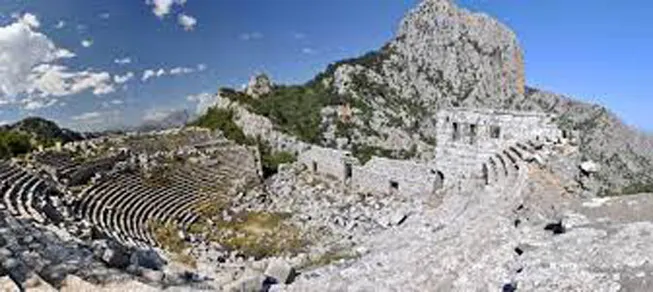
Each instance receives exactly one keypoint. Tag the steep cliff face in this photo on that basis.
(442, 56)
(451, 57)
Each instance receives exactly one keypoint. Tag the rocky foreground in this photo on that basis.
(527, 235)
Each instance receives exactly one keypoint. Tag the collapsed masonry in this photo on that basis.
(468, 140)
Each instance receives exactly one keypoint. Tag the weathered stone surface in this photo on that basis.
(250, 282)
(36, 283)
(280, 271)
(259, 85)
(8, 285)
(590, 167)
(147, 259)
(116, 258)
(626, 154)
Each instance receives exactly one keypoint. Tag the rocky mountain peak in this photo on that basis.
(457, 58)
(259, 85)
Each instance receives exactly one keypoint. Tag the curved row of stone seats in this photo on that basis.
(499, 167)
(123, 206)
(58, 160)
(94, 206)
(26, 195)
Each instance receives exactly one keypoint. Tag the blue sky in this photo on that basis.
(597, 50)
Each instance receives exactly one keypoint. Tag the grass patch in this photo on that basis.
(638, 188)
(185, 259)
(210, 209)
(259, 234)
(329, 258)
(631, 189)
(364, 153)
(167, 235)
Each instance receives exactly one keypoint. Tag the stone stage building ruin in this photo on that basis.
(468, 138)
(468, 141)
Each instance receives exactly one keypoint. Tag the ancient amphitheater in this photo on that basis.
(122, 190)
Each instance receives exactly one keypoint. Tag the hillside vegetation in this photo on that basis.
(25, 135)
(295, 109)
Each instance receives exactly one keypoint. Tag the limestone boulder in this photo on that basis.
(280, 271)
(589, 167)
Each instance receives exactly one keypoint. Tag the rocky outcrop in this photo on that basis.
(625, 154)
(258, 86)
(442, 56)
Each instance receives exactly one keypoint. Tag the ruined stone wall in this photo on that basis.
(382, 175)
(325, 161)
(379, 175)
(468, 137)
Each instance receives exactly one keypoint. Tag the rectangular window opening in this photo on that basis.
(495, 132)
(348, 171)
(472, 133)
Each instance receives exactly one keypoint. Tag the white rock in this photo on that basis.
(590, 167)
(8, 285)
(280, 271)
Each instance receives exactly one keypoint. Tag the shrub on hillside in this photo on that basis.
(14, 143)
(222, 119)
(270, 160)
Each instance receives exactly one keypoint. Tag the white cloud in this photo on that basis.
(105, 15)
(118, 79)
(60, 24)
(299, 35)
(162, 7)
(251, 36)
(123, 61)
(152, 73)
(147, 74)
(203, 100)
(308, 51)
(54, 80)
(106, 104)
(87, 43)
(38, 104)
(87, 116)
(28, 68)
(181, 70)
(187, 21)
(30, 20)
